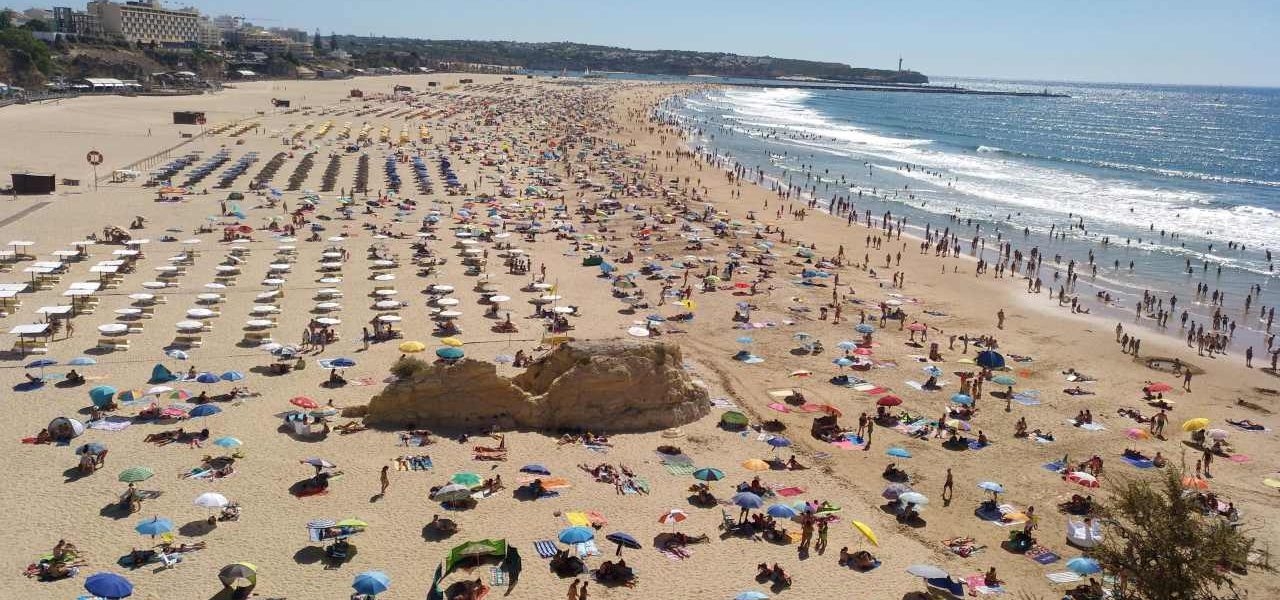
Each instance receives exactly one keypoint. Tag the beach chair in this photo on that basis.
(727, 523)
(168, 561)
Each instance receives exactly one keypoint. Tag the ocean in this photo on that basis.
(1164, 174)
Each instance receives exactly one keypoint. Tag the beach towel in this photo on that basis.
(976, 586)
(1238, 458)
(675, 459)
(636, 485)
(682, 554)
(1063, 577)
(363, 381)
(778, 406)
(596, 448)
(1137, 463)
(1043, 555)
(578, 519)
(1086, 426)
(976, 445)
(679, 470)
(845, 444)
(869, 388)
(111, 424)
(723, 402)
(1027, 398)
(497, 577)
(1055, 466)
(546, 548)
(586, 549)
(788, 492)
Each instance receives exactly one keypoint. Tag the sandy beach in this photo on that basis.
(598, 139)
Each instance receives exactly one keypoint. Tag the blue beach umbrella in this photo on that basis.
(108, 585)
(1003, 380)
(933, 371)
(342, 362)
(207, 377)
(989, 359)
(576, 535)
(91, 448)
(898, 452)
(227, 442)
(1084, 566)
(41, 363)
(842, 362)
(535, 469)
(864, 328)
(371, 583)
(82, 361)
(176, 354)
(154, 526)
(744, 340)
(964, 399)
(623, 539)
(449, 353)
(102, 395)
(204, 410)
(708, 474)
(232, 376)
(781, 511)
(778, 441)
(846, 345)
(992, 487)
(747, 500)
(751, 595)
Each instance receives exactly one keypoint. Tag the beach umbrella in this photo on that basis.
(708, 474)
(1135, 433)
(154, 526)
(1084, 566)
(751, 595)
(464, 478)
(353, 523)
(82, 361)
(232, 574)
(989, 359)
(927, 571)
(207, 377)
(889, 400)
(958, 424)
(108, 585)
(452, 493)
(232, 376)
(102, 394)
(756, 464)
(932, 371)
(915, 498)
(135, 474)
(842, 362)
(41, 363)
(371, 583)
(450, 353)
(451, 341)
(781, 511)
(864, 328)
(341, 363)
(1082, 478)
(227, 442)
(778, 441)
(1157, 387)
(303, 402)
(744, 340)
(898, 452)
(734, 417)
(91, 448)
(129, 395)
(623, 539)
(866, 532)
(318, 462)
(535, 469)
(412, 347)
(61, 426)
(1194, 483)
(992, 487)
(576, 535)
(895, 490)
(1195, 424)
(176, 354)
(211, 500)
(747, 500)
(1216, 434)
(846, 345)
(1004, 380)
(673, 516)
(204, 410)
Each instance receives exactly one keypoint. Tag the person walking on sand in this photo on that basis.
(386, 482)
(573, 590)
(948, 487)
(871, 424)
(582, 592)
(1000, 319)
(1186, 380)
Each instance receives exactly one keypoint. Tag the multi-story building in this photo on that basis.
(73, 22)
(147, 21)
(264, 41)
(208, 34)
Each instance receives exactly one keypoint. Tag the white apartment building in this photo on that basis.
(147, 21)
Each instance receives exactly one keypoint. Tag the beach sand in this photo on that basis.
(48, 503)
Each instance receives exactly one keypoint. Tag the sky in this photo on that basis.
(1230, 42)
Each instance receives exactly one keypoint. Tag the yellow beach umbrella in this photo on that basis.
(689, 304)
(412, 347)
(866, 532)
(1195, 424)
(756, 464)
(451, 341)
(352, 523)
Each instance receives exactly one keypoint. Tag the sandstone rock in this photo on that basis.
(602, 385)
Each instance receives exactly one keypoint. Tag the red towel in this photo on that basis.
(790, 491)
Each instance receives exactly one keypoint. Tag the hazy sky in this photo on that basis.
(1169, 41)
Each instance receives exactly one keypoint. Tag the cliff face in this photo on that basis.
(610, 385)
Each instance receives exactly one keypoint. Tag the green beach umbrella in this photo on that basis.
(136, 474)
(733, 417)
(467, 479)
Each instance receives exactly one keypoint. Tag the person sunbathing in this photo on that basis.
(1247, 425)
(169, 548)
(684, 540)
(164, 437)
(351, 427)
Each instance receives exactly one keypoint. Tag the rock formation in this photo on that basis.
(603, 385)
